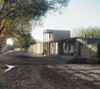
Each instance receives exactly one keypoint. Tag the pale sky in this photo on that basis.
(79, 13)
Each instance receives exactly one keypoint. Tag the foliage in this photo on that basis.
(16, 13)
(10, 47)
(0, 47)
(23, 39)
(2, 42)
(17, 16)
(90, 31)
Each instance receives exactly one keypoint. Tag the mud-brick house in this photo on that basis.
(51, 40)
(68, 46)
(89, 47)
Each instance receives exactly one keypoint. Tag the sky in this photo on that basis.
(79, 13)
(9, 41)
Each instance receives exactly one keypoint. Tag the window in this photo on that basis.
(65, 46)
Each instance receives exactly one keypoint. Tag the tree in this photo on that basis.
(16, 14)
(23, 39)
(89, 32)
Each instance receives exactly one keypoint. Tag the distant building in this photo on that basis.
(55, 35)
(59, 42)
(89, 47)
(51, 38)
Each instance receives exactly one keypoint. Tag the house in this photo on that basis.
(59, 42)
(50, 44)
(89, 47)
(69, 46)
(51, 38)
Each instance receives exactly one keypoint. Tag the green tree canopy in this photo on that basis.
(16, 14)
(90, 31)
(23, 39)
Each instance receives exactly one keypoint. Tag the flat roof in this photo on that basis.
(51, 31)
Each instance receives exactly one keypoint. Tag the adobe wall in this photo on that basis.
(89, 50)
(36, 49)
(82, 48)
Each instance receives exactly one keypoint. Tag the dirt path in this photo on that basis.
(49, 73)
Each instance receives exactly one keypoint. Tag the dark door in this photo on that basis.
(60, 47)
(79, 49)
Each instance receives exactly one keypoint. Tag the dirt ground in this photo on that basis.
(48, 73)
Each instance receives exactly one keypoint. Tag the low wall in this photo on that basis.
(89, 50)
(36, 49)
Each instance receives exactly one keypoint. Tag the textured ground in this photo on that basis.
(49, 73)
